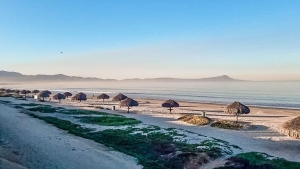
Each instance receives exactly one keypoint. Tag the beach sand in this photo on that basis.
(43, 145)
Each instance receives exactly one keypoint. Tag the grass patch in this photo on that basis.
(225, 124)
(18, 107)
(110, 120)
(43, 109)
(5, 102)
(30, 104)
(196, 120)
(258, 159)
(83, 112)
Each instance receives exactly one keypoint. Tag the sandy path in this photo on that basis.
(42, 146)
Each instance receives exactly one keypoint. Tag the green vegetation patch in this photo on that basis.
(30, 104)
(5, 102)
(43, 109)
(110, 120)
(225, 124)
(256, 158)
(83, 112)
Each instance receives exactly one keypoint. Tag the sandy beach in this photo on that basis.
(41, 145)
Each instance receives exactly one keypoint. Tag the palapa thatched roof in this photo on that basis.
(58, 96)
(79, 96)
(35, 91)
(119, 97)
(128, 103)
(24, 92)
(291, 128)
(67, 94)
(103, 96)
(236, 108)
(293, 124)
(46, 91)
(170, 103)
(8, 90)
(44, 94)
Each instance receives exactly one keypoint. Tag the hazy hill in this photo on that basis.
(18, 77)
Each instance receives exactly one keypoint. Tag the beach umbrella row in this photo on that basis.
(235, 108)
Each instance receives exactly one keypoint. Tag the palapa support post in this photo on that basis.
(128, 109)
(170, 110)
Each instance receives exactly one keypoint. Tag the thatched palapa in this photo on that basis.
(170, 104)
(8, 90)
(58, 97)
(67, 94)
(44, 94)
(35, 91)
(103, 96)
(79, 96)
(46, 91)
(292, 128)
(236, 108)
(119, 97)
(25, 92)
(128, 103)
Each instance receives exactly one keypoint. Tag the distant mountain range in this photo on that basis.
(6, 76)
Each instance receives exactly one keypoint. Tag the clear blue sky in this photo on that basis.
(250, 39)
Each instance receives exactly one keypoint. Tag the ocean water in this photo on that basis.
(265, 94)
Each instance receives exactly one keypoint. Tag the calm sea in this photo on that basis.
(267, 94)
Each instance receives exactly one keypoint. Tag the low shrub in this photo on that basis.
(225, 124)
(110, 120)
(196, 120)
